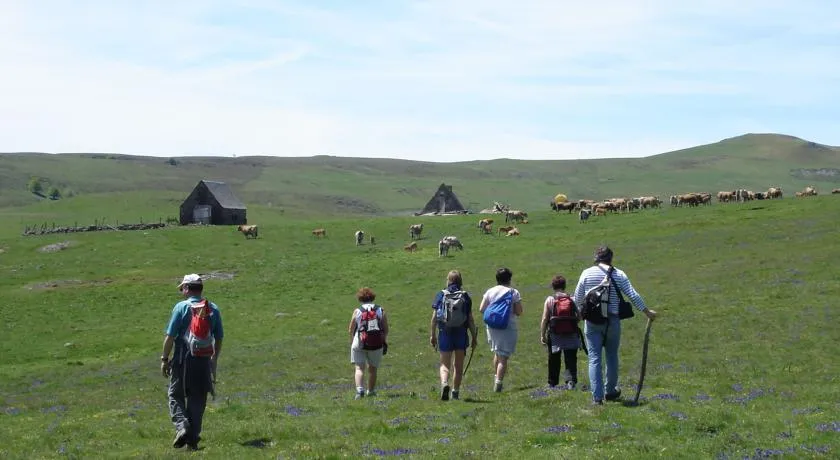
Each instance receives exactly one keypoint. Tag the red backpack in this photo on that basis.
(369, 327)
(199, 336)
(563, 319)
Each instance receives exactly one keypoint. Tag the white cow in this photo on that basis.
(360, 236)
(584, 214)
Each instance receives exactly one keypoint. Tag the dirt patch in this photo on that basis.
(55, 247)
(54, 284)
(217, 276)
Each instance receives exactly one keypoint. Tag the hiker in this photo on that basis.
(369, 333)
(451, 318)
(502, 326)
(560, 333)
(195, 333)
(607, 335)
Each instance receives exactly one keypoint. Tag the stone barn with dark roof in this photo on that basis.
(213, 203)
(443, 201)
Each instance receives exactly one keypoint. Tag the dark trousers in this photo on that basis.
(188, 388)
(570, 358)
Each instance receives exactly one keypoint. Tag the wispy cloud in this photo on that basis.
(439, 80)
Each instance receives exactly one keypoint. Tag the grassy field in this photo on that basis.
(742, 360)
(354, 186)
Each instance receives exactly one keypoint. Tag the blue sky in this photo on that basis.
(436, 80)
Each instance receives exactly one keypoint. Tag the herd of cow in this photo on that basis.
(585, 209)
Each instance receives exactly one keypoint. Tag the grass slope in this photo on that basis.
(741, 362)
(329, 185)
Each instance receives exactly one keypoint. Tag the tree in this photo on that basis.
(35, 185)
(54, 193)
(172, 162)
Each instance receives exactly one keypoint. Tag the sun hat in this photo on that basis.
(192, 278)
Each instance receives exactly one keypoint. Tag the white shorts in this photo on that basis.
(362, 357)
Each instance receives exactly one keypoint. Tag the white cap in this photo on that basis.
(192, 278)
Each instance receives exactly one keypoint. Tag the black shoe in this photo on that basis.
(456, 395)
(597, 402)
(180, 438)
(444, 393)
(613, 396)
(193, 444)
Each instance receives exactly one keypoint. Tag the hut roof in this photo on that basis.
(224, 195)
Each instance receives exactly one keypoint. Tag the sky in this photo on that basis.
(432, 80)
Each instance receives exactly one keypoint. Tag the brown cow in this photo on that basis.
(319, 232)
(411, 247)
(487, 229)
(505, 229)
(250, 231)
(513, 232)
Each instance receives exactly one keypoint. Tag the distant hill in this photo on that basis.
(336, 185)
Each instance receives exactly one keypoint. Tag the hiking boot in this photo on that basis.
(613, 396)
(193, 444)
(597, 402)
(359, 395)
(371, 393)
(180, 438)
(497, 387)
(455, 395)
(571, 385)
(444, 393)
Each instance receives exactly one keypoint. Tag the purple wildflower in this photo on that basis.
(11, 411)
(54, 409)
(539, 393)
(738, 387)
(395, 452)
(816, 449)
(831, 426)
(615, 425)
(398, 421)
(702, 397)
(668, 396)
(807, 410)
(444, 440)
(558, 429)
(294, 411)
(784, 435)
(679, 416)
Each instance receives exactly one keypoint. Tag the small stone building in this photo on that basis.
(213, 203)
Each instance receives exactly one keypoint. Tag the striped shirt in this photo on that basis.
(593, 276)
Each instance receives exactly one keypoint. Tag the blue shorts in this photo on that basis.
(452, 339)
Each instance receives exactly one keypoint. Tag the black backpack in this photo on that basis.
(596, 300)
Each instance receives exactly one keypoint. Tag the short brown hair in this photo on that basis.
(558, 283)
(365, 294)
(454, 277)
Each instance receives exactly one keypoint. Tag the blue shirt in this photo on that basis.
(180, 320)
(438, 303)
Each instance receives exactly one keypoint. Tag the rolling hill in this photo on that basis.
(334, 185)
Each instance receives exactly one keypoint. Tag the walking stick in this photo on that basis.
(644, 362)
(468, 362)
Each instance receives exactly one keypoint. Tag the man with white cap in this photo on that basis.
(195, 333)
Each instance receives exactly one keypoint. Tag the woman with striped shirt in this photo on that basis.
(606, 336)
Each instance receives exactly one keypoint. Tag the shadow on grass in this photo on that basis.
(477, 401)
(259, 443)
(631, 403)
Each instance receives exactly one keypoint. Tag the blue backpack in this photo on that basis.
(497, 314)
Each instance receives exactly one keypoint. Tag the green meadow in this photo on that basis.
(742, 360)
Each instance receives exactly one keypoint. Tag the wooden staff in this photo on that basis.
(644, 362)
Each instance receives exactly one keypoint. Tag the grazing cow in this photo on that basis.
(600, 211)
(443, 248)
(773, 193)
(414, 231)
(487, 229)
(505, 229)
(759, 195)
(515, 216)
(360, 236)
(584, 214)
(250, 231)
(410, 247)
(513, 232)
(319, 232)
(372, 240)
(484, 223)
(454, 242)
(835, 191)
(799, 194)
(567, 206)
(810, 191)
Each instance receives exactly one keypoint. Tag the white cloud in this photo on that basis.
(435, 79)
